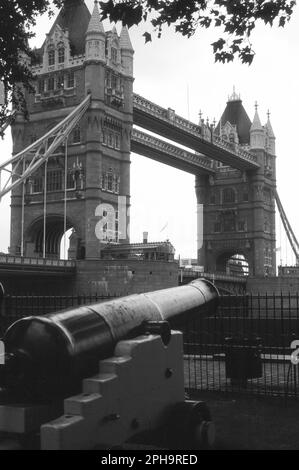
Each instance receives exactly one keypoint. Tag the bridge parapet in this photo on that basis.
(148, 140)
(26, 261)
(238, 150)
(144, 108)
(167, 114)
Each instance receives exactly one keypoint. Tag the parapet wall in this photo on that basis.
(123, 277)
(275, 284)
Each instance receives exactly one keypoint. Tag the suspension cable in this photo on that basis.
(38, 152)
(45, 209)
(288, 229)
(65, 195)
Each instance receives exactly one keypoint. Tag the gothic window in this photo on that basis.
(217, 227)
(229, 222)
(110, 182)
(110, 139)
(108, 79)
(71, 182)
(51, 84)
(70, 80)
(114, 54)
(104, 138)
(41, 86)
(60, 82)
(113, 81)
(103, 181)
(228, 196)
(51, 57)
(54, 180)
(116, 184)
(245, 197)
(37, 184)
(61, 54)
(77, 135)
(241, 226)
(117, 141)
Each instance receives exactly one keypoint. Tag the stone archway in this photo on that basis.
(233, 263)
(55, 229)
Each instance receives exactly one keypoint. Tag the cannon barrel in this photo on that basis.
(49, 355)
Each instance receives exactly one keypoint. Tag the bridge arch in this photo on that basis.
(234, 262)
(55, 230)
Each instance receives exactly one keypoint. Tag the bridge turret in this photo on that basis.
(127, 51)
(270, 136)
(257, 132)
(95, 37)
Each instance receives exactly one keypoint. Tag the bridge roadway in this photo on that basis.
(163, 152)
(23, 265)
(166, 123)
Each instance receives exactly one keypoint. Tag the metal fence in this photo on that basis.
(15, 307)
(245, 347)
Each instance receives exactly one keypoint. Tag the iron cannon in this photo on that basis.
(49, 355)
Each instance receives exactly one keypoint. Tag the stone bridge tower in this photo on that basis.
(78, 57)
(239, 207)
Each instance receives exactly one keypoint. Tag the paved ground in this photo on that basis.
(278, 378)
(249, 423)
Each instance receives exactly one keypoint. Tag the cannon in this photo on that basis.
(48, 358)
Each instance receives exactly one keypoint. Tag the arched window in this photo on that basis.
(232, 137)
(51, 84)
(61, 54)
(70, 80)
(228, 196)
(77, 135)
(114, 54)
(51, 56)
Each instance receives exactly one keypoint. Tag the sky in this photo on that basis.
(180, 73)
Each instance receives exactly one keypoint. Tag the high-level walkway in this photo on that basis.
(167, 123)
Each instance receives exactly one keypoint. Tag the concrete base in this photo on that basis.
(131, 394)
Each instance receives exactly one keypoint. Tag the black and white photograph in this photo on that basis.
(149, 230)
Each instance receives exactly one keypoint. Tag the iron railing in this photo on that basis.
(249, 336)
(15, 307)
(245, 347)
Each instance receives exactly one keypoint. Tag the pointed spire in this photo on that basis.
(269, 127)
(256, 123)
(95, 24)
(234, 96)
(125, 41)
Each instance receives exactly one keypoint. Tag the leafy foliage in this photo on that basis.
(17, 19)
(236, 18)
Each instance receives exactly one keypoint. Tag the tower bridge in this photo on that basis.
(71, 164)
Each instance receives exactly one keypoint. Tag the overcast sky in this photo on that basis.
(164, 70)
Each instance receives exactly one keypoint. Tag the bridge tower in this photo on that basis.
(93, 167)
(239, 207)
